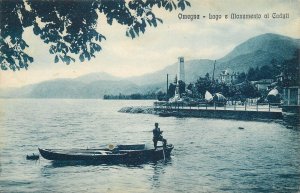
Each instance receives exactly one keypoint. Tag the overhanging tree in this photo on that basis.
(69, 26)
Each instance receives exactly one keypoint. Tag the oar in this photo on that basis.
(164, 154)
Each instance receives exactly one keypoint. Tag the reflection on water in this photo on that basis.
(210, 155)
(156, 169)
(291, 120)
(159, 169)
(57, 164)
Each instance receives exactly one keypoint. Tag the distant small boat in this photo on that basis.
(119, 154)
(32, 157)
(241, 128)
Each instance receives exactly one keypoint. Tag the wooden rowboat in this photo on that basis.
(119, 154)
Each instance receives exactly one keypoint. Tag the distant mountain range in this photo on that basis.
(259, 51)
(255, 52)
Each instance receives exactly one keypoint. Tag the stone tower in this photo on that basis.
(181, 74)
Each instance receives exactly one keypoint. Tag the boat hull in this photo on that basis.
(107, 156)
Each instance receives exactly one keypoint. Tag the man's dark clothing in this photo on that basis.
(156, 132)
(158, 137)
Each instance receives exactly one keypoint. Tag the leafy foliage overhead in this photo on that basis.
(69, 27)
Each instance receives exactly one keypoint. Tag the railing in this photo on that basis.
(235, 106)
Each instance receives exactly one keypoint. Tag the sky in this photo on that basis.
(161, 46)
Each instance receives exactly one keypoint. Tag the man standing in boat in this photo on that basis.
(157, 136)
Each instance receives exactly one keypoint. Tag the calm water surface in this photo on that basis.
(210, 155)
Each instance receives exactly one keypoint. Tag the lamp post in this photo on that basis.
(167, 96)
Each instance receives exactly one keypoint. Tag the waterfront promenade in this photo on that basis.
(260, 107)
(263, 112)
(234, 110)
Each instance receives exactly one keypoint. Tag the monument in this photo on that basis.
(181, 74)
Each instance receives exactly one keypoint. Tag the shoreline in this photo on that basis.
(289, 120)
(261, 116)
(139, 110)
(204, 113)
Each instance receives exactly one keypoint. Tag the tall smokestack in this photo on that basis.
(181, 69)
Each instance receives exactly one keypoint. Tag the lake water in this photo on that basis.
(210, 155)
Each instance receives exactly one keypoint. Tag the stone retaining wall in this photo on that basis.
(222, 114)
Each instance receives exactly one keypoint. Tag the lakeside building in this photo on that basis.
(263, 84)
(291, 105)
(228, 77)
(279, 78)
(291, 96)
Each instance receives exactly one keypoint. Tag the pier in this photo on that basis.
(264, 111)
